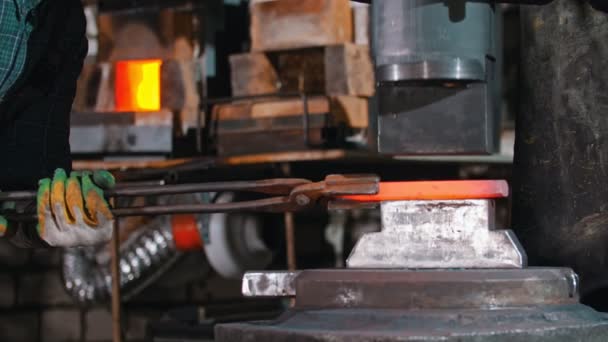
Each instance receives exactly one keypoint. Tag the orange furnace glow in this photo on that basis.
(137, 85)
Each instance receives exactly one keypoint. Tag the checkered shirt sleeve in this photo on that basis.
(15, 29)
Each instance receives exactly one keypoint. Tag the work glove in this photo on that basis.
(72, 211)
(3, 226)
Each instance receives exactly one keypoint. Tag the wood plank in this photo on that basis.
(281, 157)
(290, 24)
(301, 70)
(350, 110)
(349, 70)
(316, 105)
(344, 69)
(270, 108)
(180, 91)
(361, 22)
(271, 141)
(252, 74)
(264, 125)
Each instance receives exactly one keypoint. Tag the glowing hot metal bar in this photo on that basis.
(435, 190)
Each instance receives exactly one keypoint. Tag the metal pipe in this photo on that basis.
(144, 257)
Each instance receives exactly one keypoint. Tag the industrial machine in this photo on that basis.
(438, 65)
(439, 73)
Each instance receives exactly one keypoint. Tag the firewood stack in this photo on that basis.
(298, 47)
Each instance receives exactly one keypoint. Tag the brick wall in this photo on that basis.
(35, 307)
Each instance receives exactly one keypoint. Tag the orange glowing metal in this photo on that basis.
(435, 190)
(137, 85)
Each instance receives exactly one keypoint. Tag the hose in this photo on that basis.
(144, 257)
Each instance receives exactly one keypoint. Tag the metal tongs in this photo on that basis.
(287, 195)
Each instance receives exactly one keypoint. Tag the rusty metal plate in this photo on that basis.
(434, 289)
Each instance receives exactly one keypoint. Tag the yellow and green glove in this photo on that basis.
(72, 211)
(3, 226)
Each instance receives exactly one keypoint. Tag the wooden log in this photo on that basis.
(292, 24)
(344, 69)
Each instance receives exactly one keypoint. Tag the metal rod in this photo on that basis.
(269, 187)
(290, 241)
(116, 305)
(287, 195)
(199, 119)
(290, 237)
(158, 182)
(271, 204)
(306, 120)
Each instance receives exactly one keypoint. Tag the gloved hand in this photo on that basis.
(3, 226)
(73, 211)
